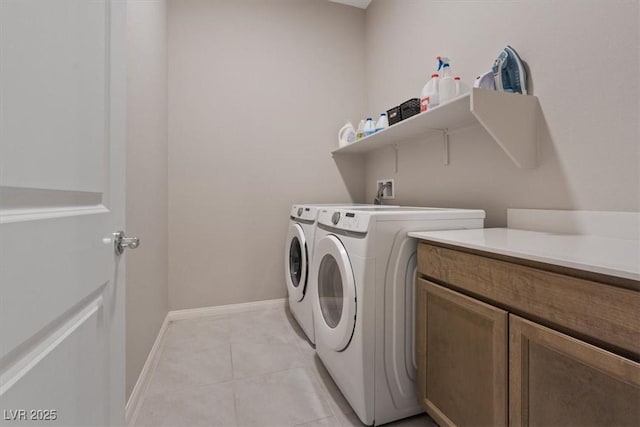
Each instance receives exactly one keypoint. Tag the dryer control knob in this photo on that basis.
(335, 218)
(299, 211)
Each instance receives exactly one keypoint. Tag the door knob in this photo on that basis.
(122, 242)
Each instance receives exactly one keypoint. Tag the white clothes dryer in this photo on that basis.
(298, 255)
(363, 272)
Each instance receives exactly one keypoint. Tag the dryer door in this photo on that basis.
(296, 262)
(335, 305)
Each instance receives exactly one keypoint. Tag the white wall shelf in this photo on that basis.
(510, 119)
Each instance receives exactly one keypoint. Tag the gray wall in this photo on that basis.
(257, 92)
(589, 131)
(147, 289)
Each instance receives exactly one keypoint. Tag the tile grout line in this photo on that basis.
(154, 369)
(268, 373)
(233, 380)
(314, 420)
(301, 356)
(326, 395)
(292, 338)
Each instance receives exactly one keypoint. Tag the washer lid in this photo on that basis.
(296, 262)
(335, 301)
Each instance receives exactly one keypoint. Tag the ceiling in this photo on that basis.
(362, 4)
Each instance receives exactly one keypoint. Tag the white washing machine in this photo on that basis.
(298, 255)
(364, 271)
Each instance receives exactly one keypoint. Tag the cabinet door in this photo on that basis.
(557, 380)
(461, 346)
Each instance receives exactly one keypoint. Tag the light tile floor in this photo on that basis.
(246, 369)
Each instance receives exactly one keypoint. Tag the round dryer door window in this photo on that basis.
(330, 291)
(336, 298)
(296, 262)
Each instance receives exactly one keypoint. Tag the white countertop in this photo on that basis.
(610, 256)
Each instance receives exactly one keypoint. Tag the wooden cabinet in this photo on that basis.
(568, 346)
(462, 358)
(557, 380)
(595, 310)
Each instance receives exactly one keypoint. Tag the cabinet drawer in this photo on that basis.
(557, 380)
(606, 313)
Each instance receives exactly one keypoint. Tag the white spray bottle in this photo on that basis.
(429, 94)
(447, 83)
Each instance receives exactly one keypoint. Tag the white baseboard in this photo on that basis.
(144, 378)
(145, 375)
(225, 309)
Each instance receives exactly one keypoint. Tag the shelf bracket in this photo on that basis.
(511, 120)
(395, 150)
(445, 146)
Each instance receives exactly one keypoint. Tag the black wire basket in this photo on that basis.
(409, 108)
(393, 115)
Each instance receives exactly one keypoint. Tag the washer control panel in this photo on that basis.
(344, 219)
(306, 213)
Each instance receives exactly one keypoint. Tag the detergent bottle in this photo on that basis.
(369, 127)
(346, 135)
(383, 122)
(447, 88)
(461, 88)
(360, 131)
(429, 94)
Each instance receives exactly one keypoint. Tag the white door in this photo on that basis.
(62, 135)
(336, 299)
